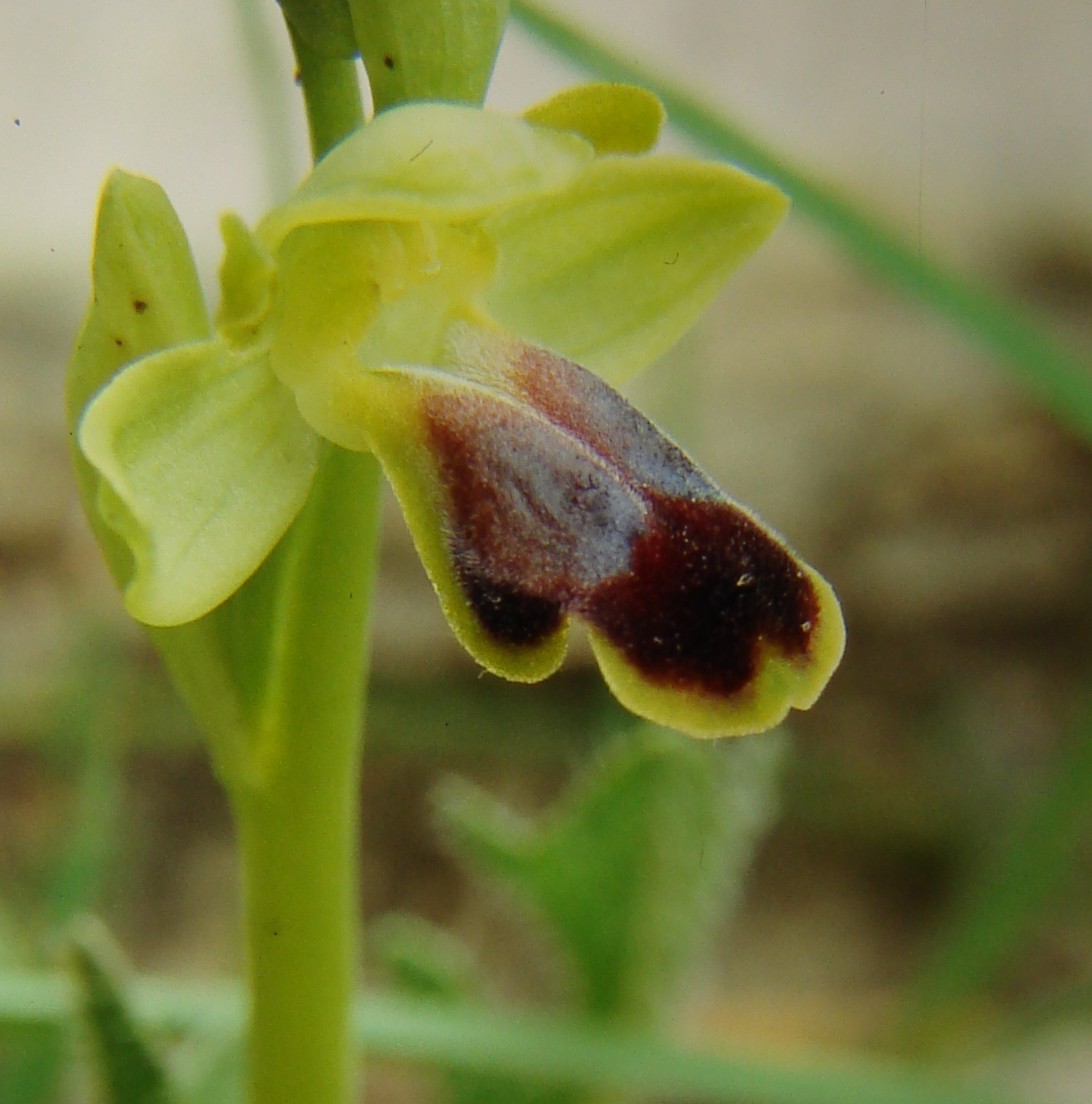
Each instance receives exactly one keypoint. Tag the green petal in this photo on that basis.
(247, 275)
(615, 269)
(431, 162)
(615, 118)
(358, 293)
(206, 462)
(327, 295)
(145, 297)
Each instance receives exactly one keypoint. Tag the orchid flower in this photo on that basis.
(429, 293)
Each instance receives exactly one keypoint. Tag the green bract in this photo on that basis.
(560, 231)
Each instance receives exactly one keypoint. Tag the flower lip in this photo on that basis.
(536, 494)
(616, 526)
(708, 596)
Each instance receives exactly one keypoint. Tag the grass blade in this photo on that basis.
(525, 1046)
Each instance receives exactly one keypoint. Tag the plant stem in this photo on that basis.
(331, 95)
(297, 808)
(298, 817)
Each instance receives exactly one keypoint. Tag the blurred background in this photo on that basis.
(952, 514)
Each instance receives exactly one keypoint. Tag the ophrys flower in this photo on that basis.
(403, 301)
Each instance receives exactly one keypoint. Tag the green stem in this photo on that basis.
(297, 806)
(331, 95)
(298, 816)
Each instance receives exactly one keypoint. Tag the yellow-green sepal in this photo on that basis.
(612, 271)
(431, 162)
(204, 462)
(145, 296)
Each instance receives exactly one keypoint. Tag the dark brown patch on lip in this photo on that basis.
(509, 615)
(706, 589)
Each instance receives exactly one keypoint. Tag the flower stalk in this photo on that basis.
(298, 817)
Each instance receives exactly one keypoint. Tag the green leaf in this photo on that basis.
(423, 959)
(628, 870)
(427, 962)
(206, 463)
(431, 162)
(222, 1076)
(615, 118)
(428, 49)
(128, 1071)
(613, 270)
